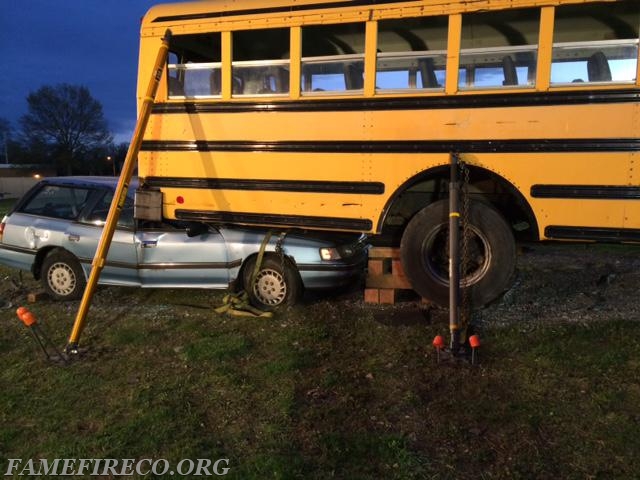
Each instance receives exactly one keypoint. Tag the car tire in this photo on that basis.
(492, 253)
(62, 276)
(277, 283)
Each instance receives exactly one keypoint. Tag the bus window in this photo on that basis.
(194, 66)
(412, 53)
(333, 58)
(499, 49)
(596, 44)
(261, 62)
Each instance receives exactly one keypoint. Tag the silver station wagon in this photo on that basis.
(53, 231)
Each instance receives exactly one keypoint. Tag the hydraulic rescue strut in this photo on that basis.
(119, 196)
(456, 326)
(454, 256)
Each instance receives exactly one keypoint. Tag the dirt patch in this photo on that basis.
(575, 283)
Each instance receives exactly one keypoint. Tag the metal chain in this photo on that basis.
(465, 309)
(280, 251)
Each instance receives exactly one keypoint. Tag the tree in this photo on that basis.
(5, 138)
(69, 120)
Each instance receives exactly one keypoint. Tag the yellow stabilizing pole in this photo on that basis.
(119, 196)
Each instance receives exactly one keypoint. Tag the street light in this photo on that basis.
(113, 164)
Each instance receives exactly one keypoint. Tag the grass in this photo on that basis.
(333, 389)
(5, 206)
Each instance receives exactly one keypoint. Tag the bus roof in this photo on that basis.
(166, 15)
(187, 10)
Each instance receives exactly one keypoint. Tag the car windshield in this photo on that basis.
(98, 215)
(58, 201)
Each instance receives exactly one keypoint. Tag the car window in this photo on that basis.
(57, 201)
(98, 214)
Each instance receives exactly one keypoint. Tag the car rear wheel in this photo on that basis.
(62, 276)
(277, 283)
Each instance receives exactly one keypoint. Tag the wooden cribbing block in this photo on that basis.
(385, 276)
(34, 297)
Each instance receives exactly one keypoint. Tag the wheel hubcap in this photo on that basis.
(61, 279)
(270, 287)
(436, 256)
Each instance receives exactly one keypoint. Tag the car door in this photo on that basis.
(82, 237)
(168, 257)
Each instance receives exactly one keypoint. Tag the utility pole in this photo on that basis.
(6, 147)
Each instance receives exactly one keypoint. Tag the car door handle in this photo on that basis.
(149, 243)
(73, 237)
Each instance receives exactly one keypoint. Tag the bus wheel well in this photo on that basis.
(433, 185)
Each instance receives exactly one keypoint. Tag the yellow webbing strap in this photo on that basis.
(237, 304)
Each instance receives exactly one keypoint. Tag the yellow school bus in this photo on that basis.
(342, 115)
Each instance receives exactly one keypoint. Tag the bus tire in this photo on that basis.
(491, 252)
(277, 283)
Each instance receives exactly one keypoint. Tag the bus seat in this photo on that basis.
(175, 87)
(427, 73)
(509, 70)
(216, 82)
(598, 68)
(353, 77)
(238, 86)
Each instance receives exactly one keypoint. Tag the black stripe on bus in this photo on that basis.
(593, 233)
(578, 97)
(602, 192)
(305, 186)
(355, 224)
(400, 146)
(265, 11)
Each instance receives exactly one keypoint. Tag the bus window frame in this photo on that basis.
(331, 59)
(183, 68)
(417, 55)
(257, 64)
(496, 51)
(593, 47)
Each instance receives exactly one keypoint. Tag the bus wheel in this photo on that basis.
(277, 283)
(491, 254)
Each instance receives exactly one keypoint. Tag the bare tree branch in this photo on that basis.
(67, 118)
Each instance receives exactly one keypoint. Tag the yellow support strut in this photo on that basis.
(119, 196)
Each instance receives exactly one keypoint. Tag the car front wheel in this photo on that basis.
(277, 283)
(62, 276)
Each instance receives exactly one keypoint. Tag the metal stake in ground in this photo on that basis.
(454, 256)
(42, 339)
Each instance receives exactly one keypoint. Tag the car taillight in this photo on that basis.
(1, 230)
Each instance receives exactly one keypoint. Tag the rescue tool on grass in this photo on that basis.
(41, 337)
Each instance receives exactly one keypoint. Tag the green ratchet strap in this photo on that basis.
(237, 304)
(256, 269)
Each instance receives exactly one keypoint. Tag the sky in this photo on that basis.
(93, 43)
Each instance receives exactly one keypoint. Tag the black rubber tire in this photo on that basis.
(274, 287)
(62, 276)
(492, 253)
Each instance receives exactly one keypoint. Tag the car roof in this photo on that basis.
(88, 181)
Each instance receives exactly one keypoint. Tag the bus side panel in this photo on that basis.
(390, 147)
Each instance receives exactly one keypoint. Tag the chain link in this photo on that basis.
(280, 251)
(465, 307)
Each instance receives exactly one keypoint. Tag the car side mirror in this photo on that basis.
(195, 229)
